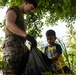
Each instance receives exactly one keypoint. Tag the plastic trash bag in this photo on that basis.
(38, 63)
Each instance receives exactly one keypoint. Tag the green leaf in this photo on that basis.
(47, 73)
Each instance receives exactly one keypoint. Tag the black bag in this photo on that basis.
(38, 63)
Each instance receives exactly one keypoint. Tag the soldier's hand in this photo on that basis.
(32, 40)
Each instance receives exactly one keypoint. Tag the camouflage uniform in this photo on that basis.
(15, 54)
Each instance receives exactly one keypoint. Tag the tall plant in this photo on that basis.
(64, 49)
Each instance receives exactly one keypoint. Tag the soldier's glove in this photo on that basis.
(32, 40)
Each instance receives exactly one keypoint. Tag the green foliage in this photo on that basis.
(2, 23)
(52, 10)
(71, 42)
(41, 46)
(47, 73)
(2, 63)
(61, 8)
(34, 25)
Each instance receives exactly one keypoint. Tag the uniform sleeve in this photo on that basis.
(58, 49)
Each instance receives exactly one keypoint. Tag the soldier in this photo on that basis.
(15, 52)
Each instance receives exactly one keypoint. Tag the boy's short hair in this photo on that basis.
(32, 2)
(50, 32)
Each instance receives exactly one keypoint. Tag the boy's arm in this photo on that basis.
(55, 57)
(58, 52)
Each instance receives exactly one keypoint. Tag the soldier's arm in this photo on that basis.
(10, 24)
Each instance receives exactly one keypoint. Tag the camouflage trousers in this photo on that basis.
(15, 53)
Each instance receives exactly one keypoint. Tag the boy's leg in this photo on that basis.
(66, 70)
(60, 71)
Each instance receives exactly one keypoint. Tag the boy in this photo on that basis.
(54, 53)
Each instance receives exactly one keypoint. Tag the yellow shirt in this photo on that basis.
(51, 51)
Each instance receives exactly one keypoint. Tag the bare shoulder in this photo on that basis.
(11, 15)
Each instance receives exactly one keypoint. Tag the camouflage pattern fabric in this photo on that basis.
(15, 53)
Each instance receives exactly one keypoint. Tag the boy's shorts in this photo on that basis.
(65, 69)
